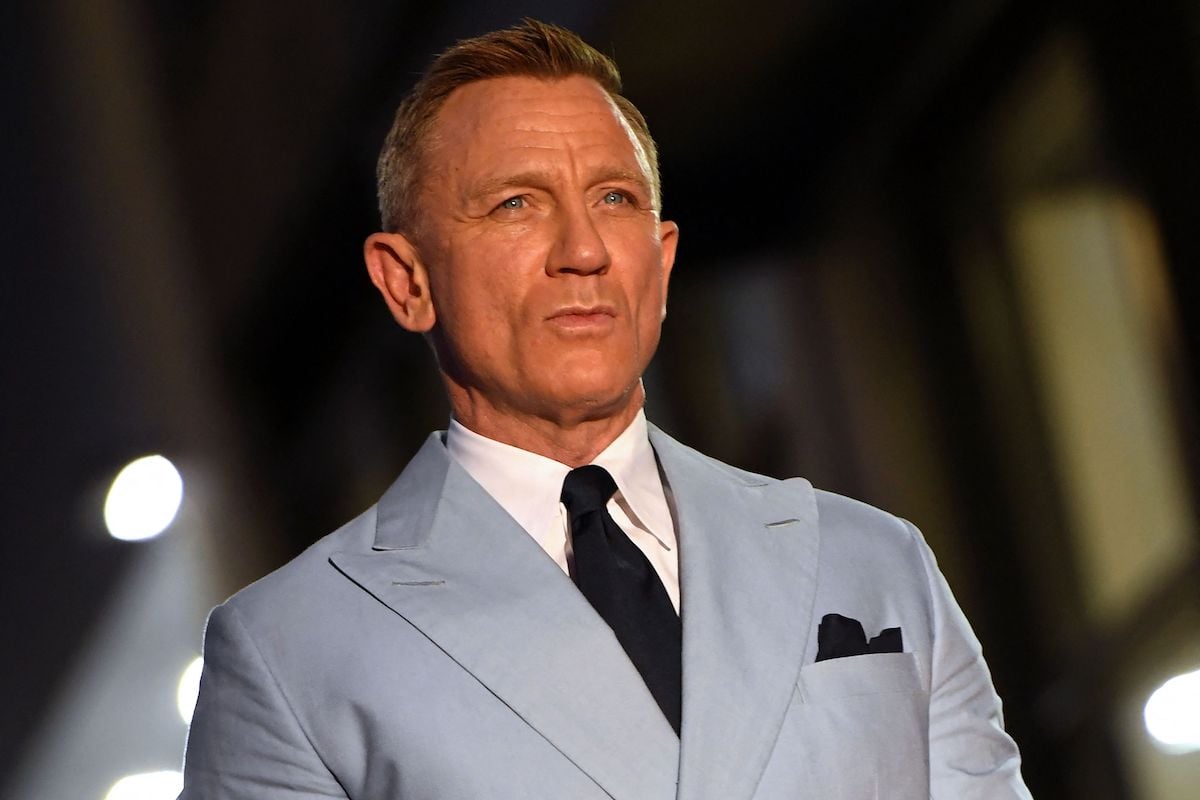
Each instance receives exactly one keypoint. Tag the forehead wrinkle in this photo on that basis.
(485, 119)
(499, 111)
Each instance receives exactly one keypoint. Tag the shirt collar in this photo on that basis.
(528, 485)
(630, 460)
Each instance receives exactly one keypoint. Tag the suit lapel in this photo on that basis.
(748, 560)
(451, 562)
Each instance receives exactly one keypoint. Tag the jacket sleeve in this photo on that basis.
(245, 741)
(970, 755)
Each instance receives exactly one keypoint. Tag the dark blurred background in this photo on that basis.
(937, 255)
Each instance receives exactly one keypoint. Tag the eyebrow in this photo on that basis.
(491, 186)
(539, 180)
(628, 176)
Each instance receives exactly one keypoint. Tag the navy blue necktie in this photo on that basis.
(617, 579)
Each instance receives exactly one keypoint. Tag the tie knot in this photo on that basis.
(587, 489)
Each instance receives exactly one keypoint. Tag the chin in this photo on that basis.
(595, 399)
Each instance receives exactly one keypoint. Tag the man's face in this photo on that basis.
(546, 260)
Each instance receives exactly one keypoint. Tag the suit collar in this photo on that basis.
(449, 560)
(405, 514)
(748, 554)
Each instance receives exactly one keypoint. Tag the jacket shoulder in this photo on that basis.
(307, 577)
(835, 513)
(843, 515)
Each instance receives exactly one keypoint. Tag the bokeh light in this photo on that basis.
(143, 499)
(189, 688)
(165, 785)
(1172, 714)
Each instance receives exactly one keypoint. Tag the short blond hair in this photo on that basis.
(533, 49)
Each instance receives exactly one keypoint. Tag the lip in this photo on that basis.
(583, 317)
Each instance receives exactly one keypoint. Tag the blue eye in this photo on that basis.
(613, 198)
(513, 203)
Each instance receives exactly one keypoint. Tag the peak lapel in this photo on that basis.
(449, 560)
(748, 559)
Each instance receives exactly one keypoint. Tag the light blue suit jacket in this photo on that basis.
(431, 649)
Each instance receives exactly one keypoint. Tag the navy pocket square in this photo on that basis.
(838, 637)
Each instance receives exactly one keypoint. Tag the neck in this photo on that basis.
(571, 439)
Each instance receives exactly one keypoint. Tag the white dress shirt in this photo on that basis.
(528, 487)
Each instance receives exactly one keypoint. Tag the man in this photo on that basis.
(556, 599)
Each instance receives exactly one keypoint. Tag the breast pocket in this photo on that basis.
(876, 673)
(857, 729)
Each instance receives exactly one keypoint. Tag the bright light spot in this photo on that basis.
(143, 499)
(164, 785)
(1173, 714)
(189, 688)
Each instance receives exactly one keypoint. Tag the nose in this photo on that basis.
(579, 248)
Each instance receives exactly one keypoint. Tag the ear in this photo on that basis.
(399, 274)
(668, 236)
